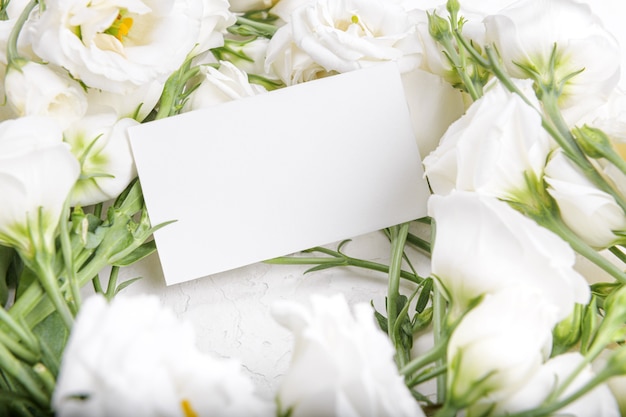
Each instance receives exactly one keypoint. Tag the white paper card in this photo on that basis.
(280, 172)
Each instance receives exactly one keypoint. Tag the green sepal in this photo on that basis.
(568, 331)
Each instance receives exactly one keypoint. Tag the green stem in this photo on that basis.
(17, 349)
(264, 28)
(45, 376)
(339, 260)
(562, 134)
(551, 406)
(70, 270)
(555, 224)
(48, 280)
(614, 158)
(455, 60)
(169, 103)
(434, 354)
(398, 240)
(12, 53)
(17, 370)
(439, 312)
(97, 286)
(418, 242)
(447, 411)
(25, 336)
(618, 253)
(27, 301)
(112, 284)
(423, 377)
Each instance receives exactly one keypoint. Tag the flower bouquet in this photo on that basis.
(519, 119)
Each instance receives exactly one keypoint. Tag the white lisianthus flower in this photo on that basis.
(13, 9)
(37, 172)
(342, 364)
(597, 403)
(42, 90)
(611, 119)
(497, 346)
(484, 246)
(216, 17)
(284, 8)
(248, 5)
(591, 213)
(132, 357)
(117, 45)
(136, 104)
(492, 148)
(525, 35)
(100, 143)
(345, 35)
(617, 384)
(290, 63)
(249, 56)
(221, 85)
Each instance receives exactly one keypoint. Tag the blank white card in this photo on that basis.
(280, 172)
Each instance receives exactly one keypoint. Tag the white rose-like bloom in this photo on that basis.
(216, 17)
(345, 35)
(525, 34)
(37, 172)
(611, 118)
(617, 384)
(6, 26)
(284, 8)
(497, 346)
(136, 103)
(290, 63)
(342, 364)
(254, 52)
(597, 403)
(101, 143)
(219, 86)
(132, 357)
(247, 5)
(43, 90)
(492, 147)
(484, 246)
(117, 45)
(591, 213)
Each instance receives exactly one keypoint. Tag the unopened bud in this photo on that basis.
(594, 142)
(438, 27)
(567, 332)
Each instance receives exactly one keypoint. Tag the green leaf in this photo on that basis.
(131, 199)
(321, 267)
(382, 320)
(6, 259)
(138, 254)
(126, 284)
(52, 334)
(25, 280)
(422, 320)
(424, 297)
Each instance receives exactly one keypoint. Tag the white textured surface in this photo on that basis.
(231, 311)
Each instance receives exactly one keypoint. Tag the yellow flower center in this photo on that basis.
(121, 26)
(187, 409)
